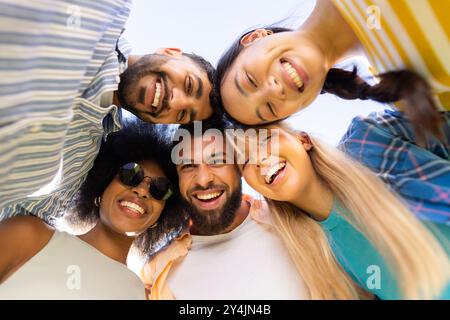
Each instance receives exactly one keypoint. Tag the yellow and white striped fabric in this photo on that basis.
(405, 34)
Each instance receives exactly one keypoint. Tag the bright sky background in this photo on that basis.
(208, 27)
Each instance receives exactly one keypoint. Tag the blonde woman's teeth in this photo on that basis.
(271, 174)
(293, 74)
(156, 99)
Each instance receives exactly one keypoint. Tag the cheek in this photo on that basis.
(251, 177)
(300, 173)
(108, 197)
(228, 92)
(259, 186)
(184, 181)
(158, 207)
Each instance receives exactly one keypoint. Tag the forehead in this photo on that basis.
(201, 148)
(151, 168)
(184, 62)
(238, 106)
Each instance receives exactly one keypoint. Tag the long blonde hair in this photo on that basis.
(416, 259)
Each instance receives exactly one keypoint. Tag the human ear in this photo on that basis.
(305, 140)
(171, 52)
(253, 36)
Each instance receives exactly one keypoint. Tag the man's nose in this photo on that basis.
(180, 100)
(204, 175)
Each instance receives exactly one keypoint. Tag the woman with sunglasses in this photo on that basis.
(127, 198)
(343, 228)
(270, 73)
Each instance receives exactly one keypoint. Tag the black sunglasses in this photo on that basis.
(131, 174)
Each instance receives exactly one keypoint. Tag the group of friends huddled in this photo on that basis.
(368, 219)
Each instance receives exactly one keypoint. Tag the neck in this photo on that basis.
(241, 215)
(331, 33)
(108, 242)
(316, 199)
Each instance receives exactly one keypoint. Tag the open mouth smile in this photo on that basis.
(296, 77)
(155, 97)
(208, 199)
(275, 173)
(132, 208)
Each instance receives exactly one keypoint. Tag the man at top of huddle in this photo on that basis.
(168, 86)
(79, 76)
(231, 250)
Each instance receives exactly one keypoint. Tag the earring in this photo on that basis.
(97, 201)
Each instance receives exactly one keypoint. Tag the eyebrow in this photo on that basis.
(236, 83)
(200, 87)
(213, 155)
(222, 155)
(186, 161)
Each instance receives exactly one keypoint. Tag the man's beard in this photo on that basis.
(214, 222)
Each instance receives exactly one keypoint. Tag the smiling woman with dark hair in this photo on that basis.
(128, 196)
(270, 73)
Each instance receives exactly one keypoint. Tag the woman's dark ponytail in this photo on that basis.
(403, 85)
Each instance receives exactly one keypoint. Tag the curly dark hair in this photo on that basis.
(137, 141)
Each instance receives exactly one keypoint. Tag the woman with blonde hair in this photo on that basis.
(343, 228)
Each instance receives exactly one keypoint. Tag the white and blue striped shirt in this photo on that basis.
(57, 59)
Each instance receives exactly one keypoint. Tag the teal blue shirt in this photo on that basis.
(362, 261)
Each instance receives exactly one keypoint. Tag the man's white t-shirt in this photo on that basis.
(249, 262)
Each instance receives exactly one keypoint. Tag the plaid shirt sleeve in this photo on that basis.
(384, 142)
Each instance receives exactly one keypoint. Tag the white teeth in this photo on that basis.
(132, 206)
(155, 102)
(293, 74)
(208, 196)
(273, 170)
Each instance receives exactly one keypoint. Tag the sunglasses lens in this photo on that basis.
(160, 188)
(131, 174)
